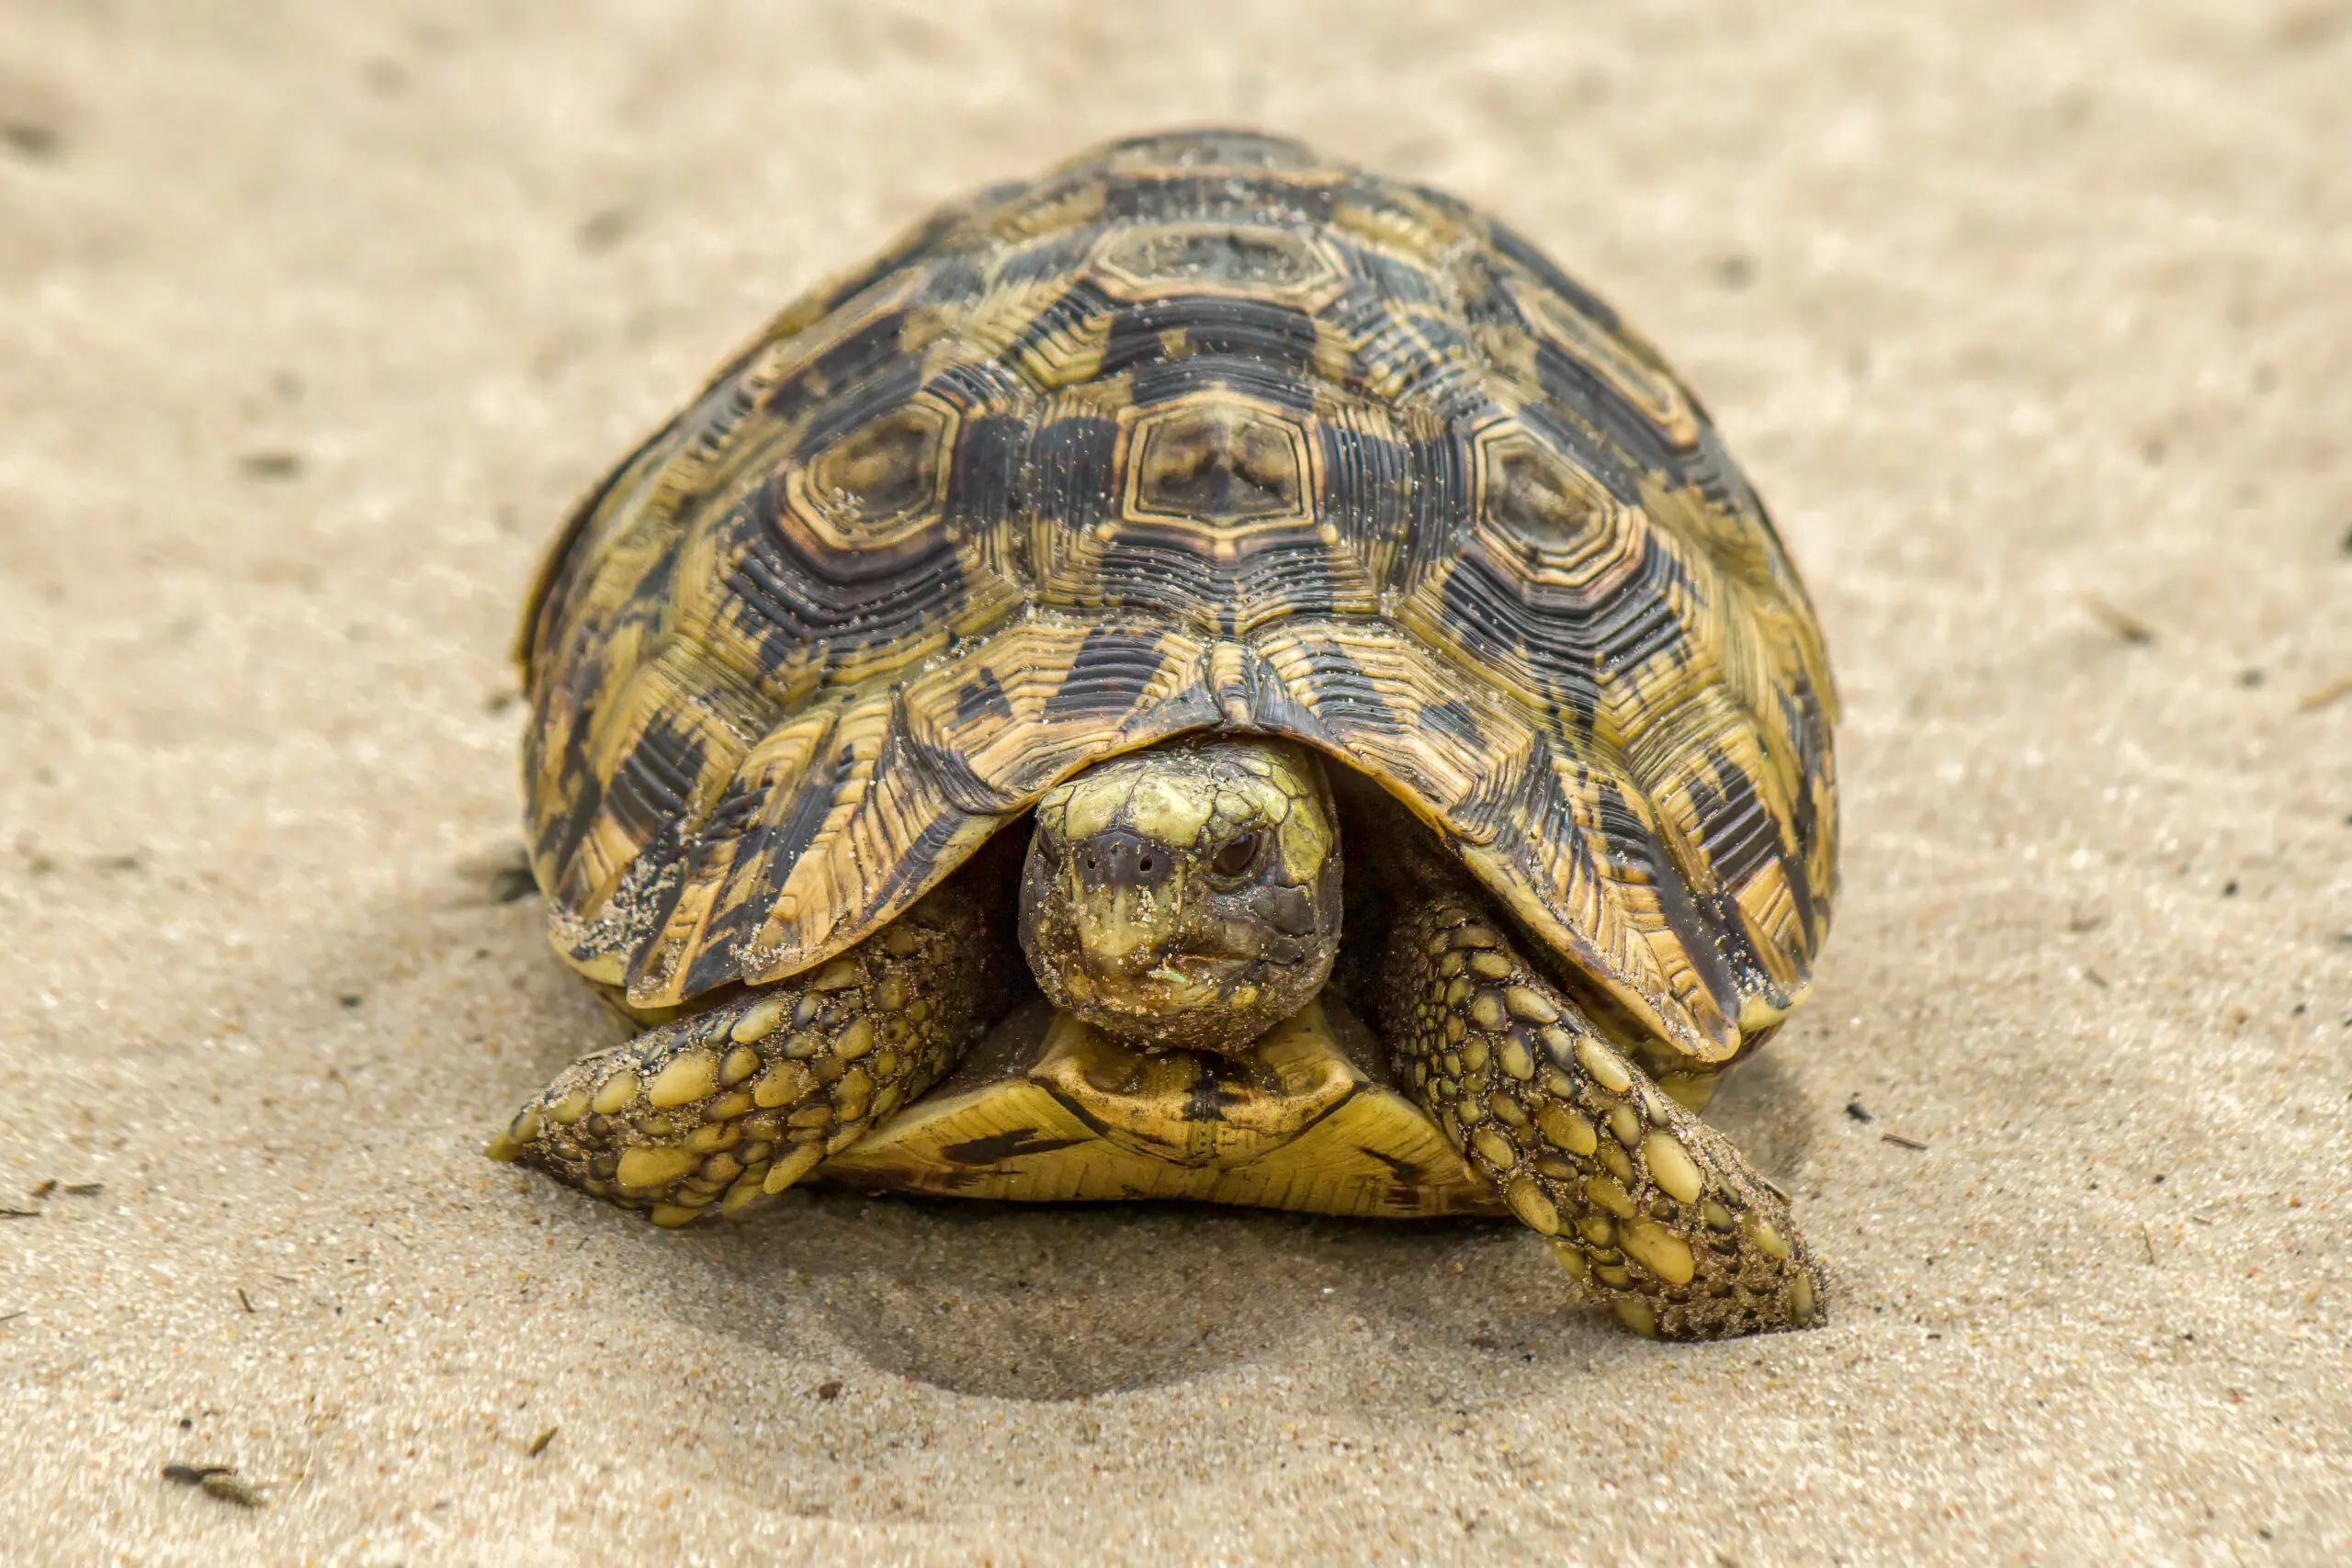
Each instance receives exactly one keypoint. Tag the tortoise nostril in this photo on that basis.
(1122, 858)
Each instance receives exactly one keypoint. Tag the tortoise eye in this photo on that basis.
(1237, 855)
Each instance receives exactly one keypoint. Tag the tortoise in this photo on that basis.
(1208, 674)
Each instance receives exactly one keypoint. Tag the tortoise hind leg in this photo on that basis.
(1641, 1201)
(751, 1095)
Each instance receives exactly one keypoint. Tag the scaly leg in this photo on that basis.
(1640, 1198)
(751, 1095)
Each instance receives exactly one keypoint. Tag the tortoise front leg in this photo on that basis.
(750, 1095)
(1639, 1197)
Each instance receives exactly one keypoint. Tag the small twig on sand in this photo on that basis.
(2121, 622)
(217, 1480)
(2313, 701)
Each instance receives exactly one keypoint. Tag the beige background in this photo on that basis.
(314, 318)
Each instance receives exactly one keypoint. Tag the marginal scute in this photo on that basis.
(1199, 431)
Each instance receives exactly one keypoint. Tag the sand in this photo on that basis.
(2035, 329)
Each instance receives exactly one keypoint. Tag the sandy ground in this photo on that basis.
(2036, 330)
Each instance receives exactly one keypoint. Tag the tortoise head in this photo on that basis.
(1187, 896)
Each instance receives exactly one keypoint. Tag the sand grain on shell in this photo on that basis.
(314, 319)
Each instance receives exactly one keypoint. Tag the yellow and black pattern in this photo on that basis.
(749, 1096)
(1198, 432)
(1646, 1204)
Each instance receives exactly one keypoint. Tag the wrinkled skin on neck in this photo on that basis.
(1188, 895)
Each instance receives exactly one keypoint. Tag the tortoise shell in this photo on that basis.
(1197, 431)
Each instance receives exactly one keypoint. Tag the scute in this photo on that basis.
(1196, 431)
(1021, 1121)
